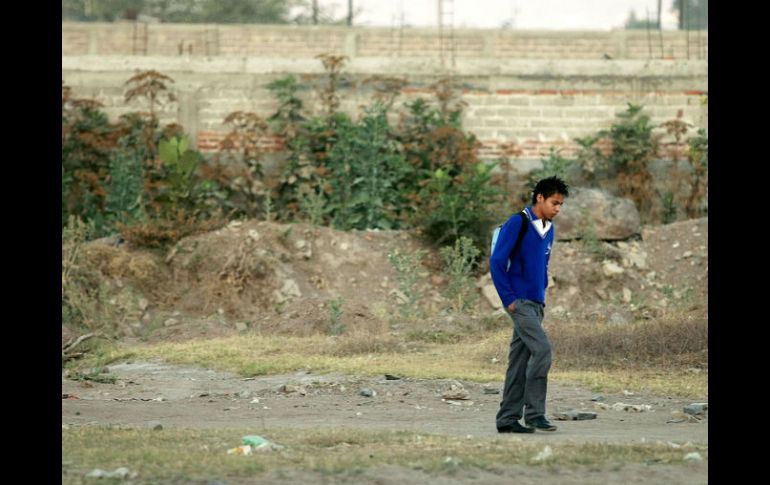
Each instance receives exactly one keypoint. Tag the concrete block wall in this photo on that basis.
(536, 103)
(128, 38)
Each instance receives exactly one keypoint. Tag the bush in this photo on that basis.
(459, 262)
(365, 168)
(633, 146)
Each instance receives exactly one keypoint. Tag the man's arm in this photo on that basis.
(498, 261)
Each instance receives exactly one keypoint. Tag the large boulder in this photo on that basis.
(585, 210)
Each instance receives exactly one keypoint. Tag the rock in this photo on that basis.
(687, 254)
(290, 388)
(693, 456)
(680, 417)
(143, 303)
(170, 322)
(391, 377)
(491, 390)
(574, 415)
(597, 397)
(618, 318)
(304, 249)
(636, 258)
(366, 392)
(456, 391)
(241, 326)
(610, 268)
(490, 294)
(637, 408)
(121, 473)
(399, 295)
(155, 425)
(696, 408)
(545, 454)
(614, 218)
(626, 295)
(459, 394)
(288, 291)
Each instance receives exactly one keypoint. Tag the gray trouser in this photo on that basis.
(529, 361)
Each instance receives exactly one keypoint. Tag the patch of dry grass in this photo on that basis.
(479, 359)
(187, 454)
(664, 343)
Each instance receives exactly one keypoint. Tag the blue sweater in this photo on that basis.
(528, 275)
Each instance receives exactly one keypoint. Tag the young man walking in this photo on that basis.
(521, 286)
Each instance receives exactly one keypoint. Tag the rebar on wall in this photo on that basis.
(446, 40)
(211, 41)
(139, 38)
(397, 32)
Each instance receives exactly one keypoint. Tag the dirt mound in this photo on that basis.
(290, 278)
(663, 273)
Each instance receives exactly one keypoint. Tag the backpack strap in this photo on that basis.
(522, 231)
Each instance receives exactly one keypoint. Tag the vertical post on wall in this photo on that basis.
(660, 29)
(649, 36)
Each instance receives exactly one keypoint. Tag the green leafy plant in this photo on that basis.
(365, 168)
(459, 263)
(633, 146)
(181, 164)
(590, 160)
(314, 207)
(698, 157)
(553, 165)
(668, 214)
(336, 327)
(453, 207)
(125, 198)
(407, 266)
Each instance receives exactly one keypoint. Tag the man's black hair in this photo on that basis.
(548, 187)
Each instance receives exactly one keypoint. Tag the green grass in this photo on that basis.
(186, 454)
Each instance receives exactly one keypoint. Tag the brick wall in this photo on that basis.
(536, 103)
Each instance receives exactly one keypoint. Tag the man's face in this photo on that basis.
(551, 206)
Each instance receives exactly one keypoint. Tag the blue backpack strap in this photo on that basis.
(522, 231)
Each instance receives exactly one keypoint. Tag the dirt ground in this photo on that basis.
(200, 398)
(150, 392)
(250, 276)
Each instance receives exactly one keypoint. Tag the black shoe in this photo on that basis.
(515, 428)
(540, 423)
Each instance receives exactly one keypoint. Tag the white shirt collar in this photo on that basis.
(541, 225)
